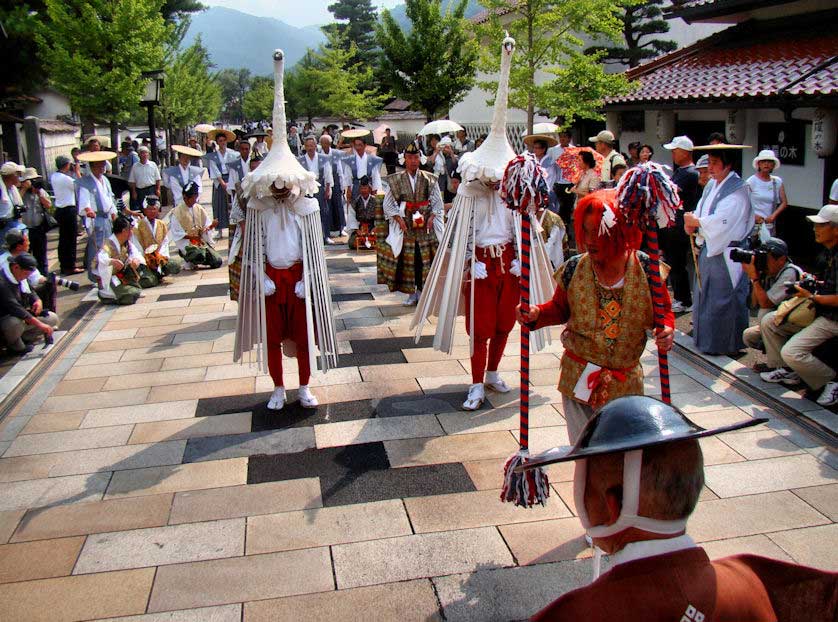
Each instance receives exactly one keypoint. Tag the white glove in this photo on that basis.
(300, 289)
(515, 268)
(478, 270)
(268, 286)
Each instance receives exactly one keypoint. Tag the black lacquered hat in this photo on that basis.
(629, 423)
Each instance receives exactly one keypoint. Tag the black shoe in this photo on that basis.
(26, 350)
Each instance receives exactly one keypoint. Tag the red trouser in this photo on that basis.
(286, 319)
(495, 299)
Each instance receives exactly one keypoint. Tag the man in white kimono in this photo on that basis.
(723, 217)
(355, 166)
(320, 166)
(97, 203)
(177, 177)
(192, 231)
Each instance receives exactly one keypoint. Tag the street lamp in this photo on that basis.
(150, 99)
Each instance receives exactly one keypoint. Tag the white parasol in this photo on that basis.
(441, 126)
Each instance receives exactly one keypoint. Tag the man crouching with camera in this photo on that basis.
(22, 315)
(789, 341)
(769, 269)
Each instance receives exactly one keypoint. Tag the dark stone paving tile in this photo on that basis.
(239, 445)
(351, 297)
(391, 344)
(359, 474)
(292, 416)
(202, 291)
(360, 357)
(341, 265)
(401, 405)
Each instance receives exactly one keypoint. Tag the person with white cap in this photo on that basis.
(790, 344)
(177, 177)
(67, 214)
(674, 241)
(702, 166)
(98, 204)
(284, 297)
(768, 194)
(604, 143)
(36, 215)
(144, 179)
(639, 471)
(724, 216)
(477, 266)
(10, 200)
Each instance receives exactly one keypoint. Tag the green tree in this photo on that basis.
(548, 35)
(174, 10)
(359, 28)
(340, 82)
(641, 22)
(259, 100)
(434, 64)
(234, 85)
(97, 50)
(191, 93)
(303, 94)
(21, 69)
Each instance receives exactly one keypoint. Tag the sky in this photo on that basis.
(288, 11)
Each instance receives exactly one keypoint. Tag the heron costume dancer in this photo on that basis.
(284, 298)
(480, 247)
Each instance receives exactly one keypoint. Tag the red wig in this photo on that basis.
(618, 238)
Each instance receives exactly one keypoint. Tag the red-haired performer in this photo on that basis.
(603, 296)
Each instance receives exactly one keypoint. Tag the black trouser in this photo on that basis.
(137, 204)
(38, 245)
(566, 203)
(675, 245)
(68, 232)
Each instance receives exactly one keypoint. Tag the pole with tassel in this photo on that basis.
(524, 190)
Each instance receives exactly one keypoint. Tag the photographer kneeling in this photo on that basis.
(791, 343)
(22, 314)
(769, 269)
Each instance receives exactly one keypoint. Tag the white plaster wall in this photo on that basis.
(52, 106)
(804, 184)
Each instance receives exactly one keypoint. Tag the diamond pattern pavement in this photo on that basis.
(149, 482)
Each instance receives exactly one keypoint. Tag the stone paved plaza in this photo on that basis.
(143, 478)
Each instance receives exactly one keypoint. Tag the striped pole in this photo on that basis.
(525, 331)
(658, 293)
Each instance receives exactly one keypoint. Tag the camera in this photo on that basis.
(71, 285)
(18, 210)
(759, 257)
(808, 282)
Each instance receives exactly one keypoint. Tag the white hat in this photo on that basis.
(30, 173)
(766, 154)
(703, 161)
(680, 142)
(603, 137)
(446, 140)
(279, 168)
(488, 162)
(828, 213)
(11, 168)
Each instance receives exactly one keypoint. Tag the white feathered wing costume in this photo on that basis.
(443, 295)
(282, 170)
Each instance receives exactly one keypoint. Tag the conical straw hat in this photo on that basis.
(279, 168)
(489, 161)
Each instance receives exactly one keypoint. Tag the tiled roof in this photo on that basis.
(731, 67)
(485, 14)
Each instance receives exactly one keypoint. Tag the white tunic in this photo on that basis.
(732, 221)
(177, 189)
(282, 237)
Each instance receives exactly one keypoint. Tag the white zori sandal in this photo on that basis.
(277, 400)
(496, 383)
(476, 395)
(307, 399)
